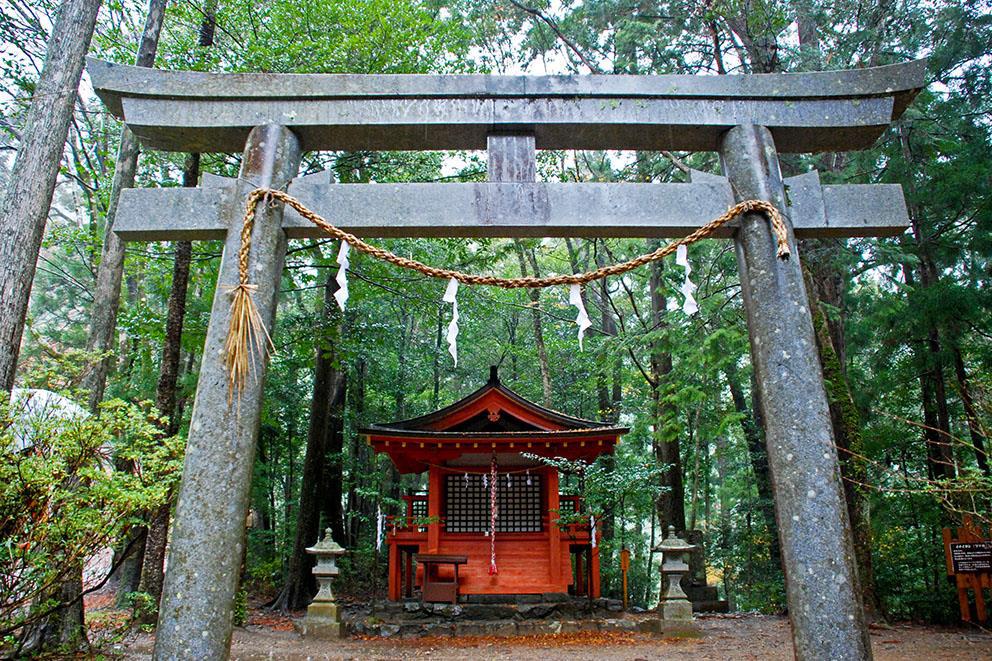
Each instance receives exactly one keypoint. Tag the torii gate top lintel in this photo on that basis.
(213, 112)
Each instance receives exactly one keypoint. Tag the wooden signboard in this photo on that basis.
(969, 562)
(971, 557)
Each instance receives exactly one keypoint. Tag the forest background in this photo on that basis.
(903, 324)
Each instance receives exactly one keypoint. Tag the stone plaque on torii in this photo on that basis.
(272, 118)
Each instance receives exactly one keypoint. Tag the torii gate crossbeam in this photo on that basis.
(746, 119)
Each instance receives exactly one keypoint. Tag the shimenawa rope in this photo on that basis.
(247, 334)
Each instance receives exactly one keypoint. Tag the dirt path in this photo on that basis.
(729, 637)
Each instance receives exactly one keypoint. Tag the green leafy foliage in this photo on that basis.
(62, 499)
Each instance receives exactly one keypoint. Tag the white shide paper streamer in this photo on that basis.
(449, 297)
(592, 530)
(378, 523)
(341, 295)
(582, 321)
(687, 288)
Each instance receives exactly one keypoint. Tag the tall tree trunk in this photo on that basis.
(438, 339)
(846, 422)
(165, 392)
(978, 433)
(107, 295)
(607, 407)
(362, 462)
(610, 375)
(699, 447)
(129, 573)
(936, 430)
(723, 465)
(268, 499)
(526, 255)
(755, 439)
(23, 217)
(671, 501)
(332, 487)
(937, 434)
(153, 563)
(25, 205)
(399, 394)
(328, 384)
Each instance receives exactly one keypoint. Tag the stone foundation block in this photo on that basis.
(679, 610)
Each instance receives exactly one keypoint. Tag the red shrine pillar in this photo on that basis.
(395, 581)
(554, 533)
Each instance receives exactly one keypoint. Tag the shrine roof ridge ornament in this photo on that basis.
(213, 112)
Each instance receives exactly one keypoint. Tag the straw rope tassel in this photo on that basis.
(247, 334)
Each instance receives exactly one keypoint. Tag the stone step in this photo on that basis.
(506, 628)
(515, 598)
(556, 610)
(524, 603)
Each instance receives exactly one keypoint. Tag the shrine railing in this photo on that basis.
(414, 520)
(570, 519)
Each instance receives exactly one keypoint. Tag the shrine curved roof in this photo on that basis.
(493, 399)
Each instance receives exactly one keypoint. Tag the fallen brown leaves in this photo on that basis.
(98, 600)
(270, 621)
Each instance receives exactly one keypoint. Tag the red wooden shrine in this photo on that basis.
(535, 553)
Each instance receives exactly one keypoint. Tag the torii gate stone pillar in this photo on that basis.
(208, 533)
(747, 119)
(822, 587)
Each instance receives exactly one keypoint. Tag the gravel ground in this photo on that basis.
(724, 637)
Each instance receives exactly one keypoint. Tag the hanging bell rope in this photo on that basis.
(493, 514)
(248, 337)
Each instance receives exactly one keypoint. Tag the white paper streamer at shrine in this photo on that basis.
(592, 530)
(449, 297)
(687, 288)
(341, 295)
(378, 525)
(582, 321)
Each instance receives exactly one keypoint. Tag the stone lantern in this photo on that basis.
(675, 605)
(323, 617)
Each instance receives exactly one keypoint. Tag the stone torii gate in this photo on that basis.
(748, 120)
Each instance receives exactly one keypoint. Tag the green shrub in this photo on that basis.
(64, 496)
(241, 608)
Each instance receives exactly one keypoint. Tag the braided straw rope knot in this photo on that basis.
(247, 335)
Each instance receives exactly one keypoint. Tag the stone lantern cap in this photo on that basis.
(673, 543)
(327, 546)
